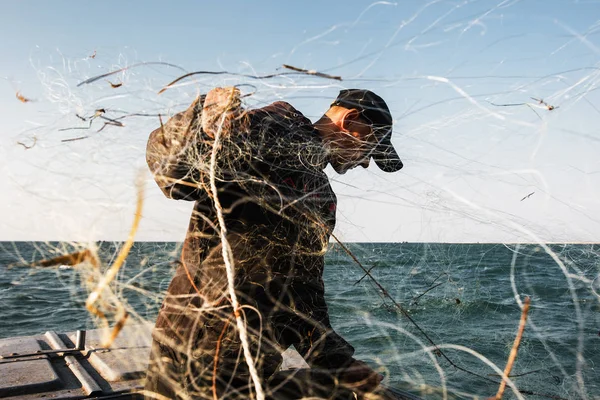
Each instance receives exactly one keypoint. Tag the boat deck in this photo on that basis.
(75, 366)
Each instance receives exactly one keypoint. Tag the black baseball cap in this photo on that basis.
(375, 111)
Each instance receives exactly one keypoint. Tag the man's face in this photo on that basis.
(352, 147)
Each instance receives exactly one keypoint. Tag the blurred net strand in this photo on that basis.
(465, 95)
(110, 274)
(521, 374)
(98, 77)
(540, 103)
(99, 113)
(70, 259)
(296, 70)
(216, 360)
(437, 349)
(27, 147)
(312, 72)
(531, 323)
(405, 313)
(518, 393)
(596, 293)
(115, 85)
(109, 121)
(515, 348)
(572, 291)
(426, 350)
(22, 98)
(430, 288)
(365, 275)
(227, 251)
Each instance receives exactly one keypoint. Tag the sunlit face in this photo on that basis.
(352, 147)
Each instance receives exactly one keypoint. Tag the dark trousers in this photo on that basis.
(172, 375)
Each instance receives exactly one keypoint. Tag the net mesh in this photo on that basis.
(495, 118)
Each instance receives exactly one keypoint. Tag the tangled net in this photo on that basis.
(497, 149)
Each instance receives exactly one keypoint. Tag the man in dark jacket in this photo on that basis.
(264, 212)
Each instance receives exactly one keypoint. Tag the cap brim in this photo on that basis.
(386, 158)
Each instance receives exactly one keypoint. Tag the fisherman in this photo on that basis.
(278, 208)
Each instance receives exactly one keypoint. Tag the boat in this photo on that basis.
(74, 365)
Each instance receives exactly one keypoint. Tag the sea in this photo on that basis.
(429, 316)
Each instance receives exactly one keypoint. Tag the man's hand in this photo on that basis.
(222, 111)
(360, 376)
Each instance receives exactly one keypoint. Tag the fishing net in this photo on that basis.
(430, 271)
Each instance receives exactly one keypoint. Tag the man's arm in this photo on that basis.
(173, 152)
(320, 345)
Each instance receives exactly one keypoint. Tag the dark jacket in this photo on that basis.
(279, 211)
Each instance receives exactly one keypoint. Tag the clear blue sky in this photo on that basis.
(443, 66)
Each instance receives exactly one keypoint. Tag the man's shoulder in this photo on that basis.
(282, 107)
(280, 112)
(281, 120)
(281, 132)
